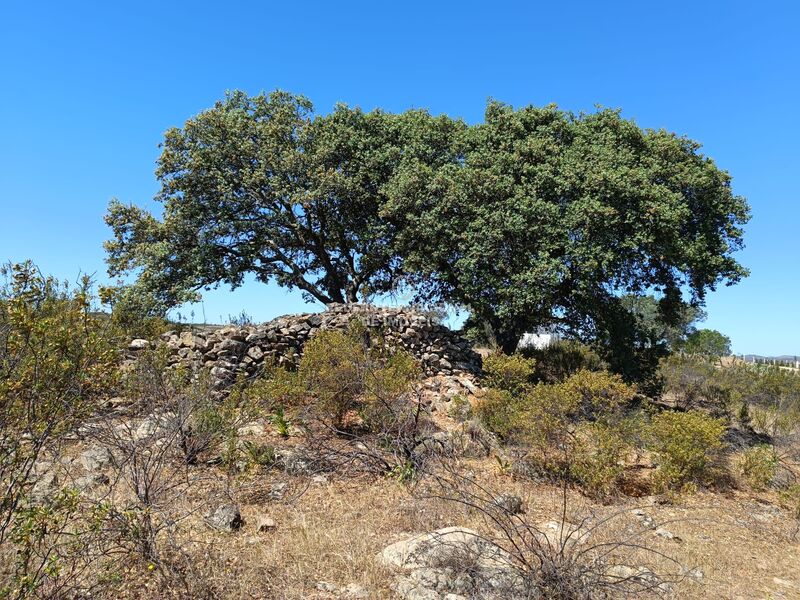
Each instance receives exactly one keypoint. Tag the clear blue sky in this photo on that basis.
(88, 89)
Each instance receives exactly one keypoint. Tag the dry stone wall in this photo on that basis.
(230, 351)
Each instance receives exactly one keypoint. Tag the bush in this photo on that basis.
(341, 371)
(692, 382)
(597, 462)
(58, 360)
(688, 445)
(137, 313)
(511, 373)
(569, 430)
(759, 466)
(563, 358)
(500, 412)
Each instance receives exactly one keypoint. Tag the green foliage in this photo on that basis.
(57, 361)
(563, 358)
(261, 185)
(759, 466)
(56, 357)
(340, 372)
(692, 382)
(459, 408)
(659, 327)
(280, 422)
(707, 342)
(549, 215)
(762, 396)
(688, 446)
(500, 412)
(404, 472)
(512, 373)
(535, 217)
(279, 387)
(135, 311)
(56, 542)
(571, 430)
(597, 464)
(259, 454)
(332, 370)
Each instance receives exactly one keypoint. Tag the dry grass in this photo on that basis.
(331, 531)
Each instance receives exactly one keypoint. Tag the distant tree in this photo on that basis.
(655, 328)
(708, 342)
(260, 185)
(547, 218)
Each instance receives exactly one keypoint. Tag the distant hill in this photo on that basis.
(782, 357)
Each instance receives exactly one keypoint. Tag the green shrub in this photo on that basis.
(500, 412)
(459, 408)
(58, 363)
(258, 454)
(570, 430)
(759, 465)
(559, 360)
(511, 373)
(340, 372)
(280, 422)
(688, 445)
(137, 313)
(694, 381)
(597, 462)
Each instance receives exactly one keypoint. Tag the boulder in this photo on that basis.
(266, 524)
(509, 503)
(225, 517)
(96, 459)
(138, 345)
(453, 562)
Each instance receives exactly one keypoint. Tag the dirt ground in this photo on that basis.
(328, 530)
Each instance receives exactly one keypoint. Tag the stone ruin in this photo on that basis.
(234, 350)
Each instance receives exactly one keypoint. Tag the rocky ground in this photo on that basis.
(295, 529)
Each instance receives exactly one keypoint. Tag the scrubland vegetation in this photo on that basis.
(117, 476)
(633, 458)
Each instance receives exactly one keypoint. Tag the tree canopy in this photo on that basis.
(550, 218)
(262, 185)
(708, 342)
(534, 217)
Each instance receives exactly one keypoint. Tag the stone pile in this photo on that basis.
(230, 351)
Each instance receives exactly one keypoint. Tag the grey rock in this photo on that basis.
(667, 535)
(96, 459)
(252, 429)
(562, 534)
(277, 491)
(89, 482)
(226, 518)
(509, 503)
(44, 489)
(355, 592)
(295, 461)
(138, 345)
(266, 524)
(456, 561)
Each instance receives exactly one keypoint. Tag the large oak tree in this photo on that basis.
(534, 217)
(261, 185)
(552, 218)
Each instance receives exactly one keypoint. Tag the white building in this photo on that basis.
(540, 339)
